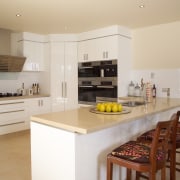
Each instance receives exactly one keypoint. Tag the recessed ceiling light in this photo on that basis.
(18, 15)
(141, 6)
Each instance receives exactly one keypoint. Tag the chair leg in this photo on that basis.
(152, 176)
(137, 175)
(109, 169)
(163, 173)
(128, 174)
(172, 165)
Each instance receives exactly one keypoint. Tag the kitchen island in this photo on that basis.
(72, 145)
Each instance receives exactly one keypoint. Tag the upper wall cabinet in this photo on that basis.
(32, 47)
(33, 51)
(104, 48)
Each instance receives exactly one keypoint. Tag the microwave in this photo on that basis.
(97, 69)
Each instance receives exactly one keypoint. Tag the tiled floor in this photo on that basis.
(15, 161)
(15, 158)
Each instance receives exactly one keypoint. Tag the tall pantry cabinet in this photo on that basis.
(64, 81)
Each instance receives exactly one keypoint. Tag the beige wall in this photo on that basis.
(157, 47)
(5, 42)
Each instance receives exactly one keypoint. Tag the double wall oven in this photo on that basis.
(97, 79)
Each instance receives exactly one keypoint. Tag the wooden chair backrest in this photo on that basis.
(164, 133)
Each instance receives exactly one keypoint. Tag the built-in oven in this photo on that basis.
(88, 69)
(89, 90)
(97, 79)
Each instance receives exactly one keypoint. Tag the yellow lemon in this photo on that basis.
(108, 108)
(102, 108)
(98, 106)
(120, 108)
(115, 108)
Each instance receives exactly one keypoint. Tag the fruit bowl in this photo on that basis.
(124, 111)
(109, 108)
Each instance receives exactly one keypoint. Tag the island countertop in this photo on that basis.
(82, 121)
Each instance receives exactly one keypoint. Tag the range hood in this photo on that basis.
(10, 63)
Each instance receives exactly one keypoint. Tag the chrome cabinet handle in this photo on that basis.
(8, 112)
(65, 89)
(86, 86)
(110, 87)
(42, 103)
(62, 89)
(107, 54)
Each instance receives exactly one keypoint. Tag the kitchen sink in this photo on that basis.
(133, 103)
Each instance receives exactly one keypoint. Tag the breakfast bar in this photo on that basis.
(72, 145)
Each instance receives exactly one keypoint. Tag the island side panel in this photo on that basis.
(62, 155)
(52, 153)
(92, 148)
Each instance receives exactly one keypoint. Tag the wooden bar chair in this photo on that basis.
(140, 157)
(173, 144)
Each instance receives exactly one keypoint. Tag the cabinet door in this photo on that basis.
(39, 105)
(33, 51)
(86, 51)
(64, 77)
(106, 48)
(57, 75)
(71, 76)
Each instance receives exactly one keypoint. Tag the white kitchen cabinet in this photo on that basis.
(39, 105)
(33, 51)
(33, 47)
(64, 78)
(13, 116)
(104, 48)
(86, 50)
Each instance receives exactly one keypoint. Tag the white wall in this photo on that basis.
(156, 52)
(5, 42)
(157, 47)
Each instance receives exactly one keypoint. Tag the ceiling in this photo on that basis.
(75, 16)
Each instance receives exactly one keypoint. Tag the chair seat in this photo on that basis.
(136, 152)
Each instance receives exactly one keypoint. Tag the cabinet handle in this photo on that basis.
(107, 54)
(8, 112)
(65, 89)
(41, 102)
(62, 88)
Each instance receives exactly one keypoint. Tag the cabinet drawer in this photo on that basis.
(12, 112)
(11, 106)
(12, 117)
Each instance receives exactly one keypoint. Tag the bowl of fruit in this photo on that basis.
(109, 108)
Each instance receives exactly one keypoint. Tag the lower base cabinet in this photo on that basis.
(15, 114)
(39, 105)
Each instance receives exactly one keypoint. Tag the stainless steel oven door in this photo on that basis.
(87, 93)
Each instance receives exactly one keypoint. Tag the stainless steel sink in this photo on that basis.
(133, 103)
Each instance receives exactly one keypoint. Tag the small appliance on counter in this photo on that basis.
(29, 92)
(8, 94)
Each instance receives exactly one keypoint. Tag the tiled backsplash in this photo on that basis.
(165, 78)
(10, 82)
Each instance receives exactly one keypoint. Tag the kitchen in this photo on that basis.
(156, 68)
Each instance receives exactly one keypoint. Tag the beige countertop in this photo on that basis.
(83, 121)
(23, 97)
